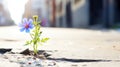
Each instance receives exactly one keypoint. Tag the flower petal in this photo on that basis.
(30, 21)
(31, 26)
(24, 20)
(20, 25)
(27, 30)
(22, 29)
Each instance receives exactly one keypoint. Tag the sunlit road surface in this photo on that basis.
(71, 43)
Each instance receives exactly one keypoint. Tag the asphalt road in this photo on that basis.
(70, 45)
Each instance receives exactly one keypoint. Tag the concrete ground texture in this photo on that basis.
(71, 47)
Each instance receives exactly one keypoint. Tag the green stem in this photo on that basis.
(35, 49)
(36, 35)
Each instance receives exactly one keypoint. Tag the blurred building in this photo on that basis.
(51, 12)
(83, 13)
(5, 18)
(35, 7)
(69, 13)
(28, 10)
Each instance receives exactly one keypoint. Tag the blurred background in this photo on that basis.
(63, 13)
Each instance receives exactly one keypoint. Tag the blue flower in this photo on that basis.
(26, 25)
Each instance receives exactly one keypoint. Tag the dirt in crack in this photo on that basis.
(2, 50)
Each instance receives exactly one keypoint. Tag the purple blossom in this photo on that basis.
(43, 21)
(26, 25)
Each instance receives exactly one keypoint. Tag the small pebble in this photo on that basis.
(22, 62)
(39, 65)
(34, 58)
(29, 63)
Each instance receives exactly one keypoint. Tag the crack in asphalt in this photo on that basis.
(2, 51)
(81, 60)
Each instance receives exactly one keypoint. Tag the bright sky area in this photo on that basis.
(16, 8)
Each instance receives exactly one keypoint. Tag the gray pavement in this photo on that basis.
(71, 44)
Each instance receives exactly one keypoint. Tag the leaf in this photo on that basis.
(38, 39)
(28, 42)
(45, 40)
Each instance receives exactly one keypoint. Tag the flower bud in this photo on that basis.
(35, 17)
